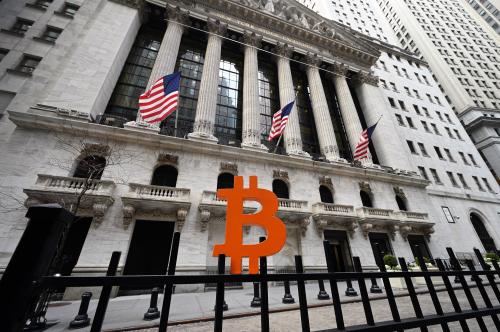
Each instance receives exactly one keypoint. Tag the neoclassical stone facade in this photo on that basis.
(240, 62)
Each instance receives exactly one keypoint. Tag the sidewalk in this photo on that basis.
(128, 311)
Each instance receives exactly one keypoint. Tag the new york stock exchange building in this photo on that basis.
(240, 62)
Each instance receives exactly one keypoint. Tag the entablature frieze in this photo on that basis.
(306, 30)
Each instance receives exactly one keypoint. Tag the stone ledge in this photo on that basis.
(18, 72)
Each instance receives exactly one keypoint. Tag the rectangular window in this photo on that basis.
(21, 26)
(422, 149)
(402, 105)
(411, 146)
(400, 119)
(438, 152)
(448, 215)
(391, 101)
(410, 122)
(448, 154)
(42, 3)
(448, 131)
(487, 184)
(457, 134)
(51, 34)
(462, 180)
(423, 173)
(435, 176)
(452, 179)
(462, 156)
(417, 110)
(426, 127)
(478, 184)
(28, 64)
(472, 159)
(69, 9)
(3, 53)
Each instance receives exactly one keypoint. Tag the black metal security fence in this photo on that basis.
(477, 309)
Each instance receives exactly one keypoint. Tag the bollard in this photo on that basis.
(82, 319)
(287, 298)
(153, 312)
(256, 297)
(322, 295)
(375, 289)
(350, 291)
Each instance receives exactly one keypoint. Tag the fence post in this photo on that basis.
(387, 285)
(364, 293)
(334, 289)
(219, 297)
(102, 305)
(463, 282)
(167, 292)
(264, 308)
(304, 315)
(375, 289)
(322, 295)
(82, 318)
(153, 311)
(451, 294)
(411, 290)
(287, 298)
(256, 296)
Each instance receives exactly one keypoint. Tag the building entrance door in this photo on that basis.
(384, 244)
(341, 250)
(149, 252)
(419, 240)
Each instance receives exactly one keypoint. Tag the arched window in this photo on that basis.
(225, 180)
(365, 199)
(90, 167)
(165, 175)
(401, 203)
(326, 194)
(482, 232)
(280, 188)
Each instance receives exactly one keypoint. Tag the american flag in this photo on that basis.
(280, 119)
(161, 99)
(361, 151)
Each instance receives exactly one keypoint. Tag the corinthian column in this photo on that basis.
(348, 109)
(322, 118)
(389, 146)
(293, 140)
(203, 127)
(251, 107)
(166, 57)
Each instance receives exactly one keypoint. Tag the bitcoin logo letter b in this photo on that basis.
(235, 219)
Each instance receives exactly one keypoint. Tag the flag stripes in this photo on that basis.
(161, 99)
(280, 119)
(361, 150)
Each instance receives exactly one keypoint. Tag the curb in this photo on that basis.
(278, 310)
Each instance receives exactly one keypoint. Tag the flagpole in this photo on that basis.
(175, 124)
(279, 139)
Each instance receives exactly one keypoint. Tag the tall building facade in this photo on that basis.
(70, 101)
(488, 10)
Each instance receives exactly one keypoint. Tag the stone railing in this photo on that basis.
(330, 208)
(407, 215)
(159, 192)
(72, 185)
(210, 197)
(375, 213)
(284, 203)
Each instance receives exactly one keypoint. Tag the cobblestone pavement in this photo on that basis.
(324, 318)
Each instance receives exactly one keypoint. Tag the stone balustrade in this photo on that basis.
(413, 216)
(96, 195)
(159, 192)
(330, 208)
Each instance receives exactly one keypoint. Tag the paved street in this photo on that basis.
(128, 311)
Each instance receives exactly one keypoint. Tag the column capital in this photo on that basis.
(364, 77)
(216, 26)
(178, 15)
(339, 69)
(283, 49)
(313, 59)
(252, 39)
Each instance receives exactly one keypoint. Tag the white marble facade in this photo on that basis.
(32, 132)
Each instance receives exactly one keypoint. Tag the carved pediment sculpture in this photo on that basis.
(280, 174)
(365, 186)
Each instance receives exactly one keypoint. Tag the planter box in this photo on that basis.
(436, 281)
(399, 283)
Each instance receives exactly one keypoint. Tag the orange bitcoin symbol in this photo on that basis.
(235, 219)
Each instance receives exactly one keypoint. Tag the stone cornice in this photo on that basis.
(51, 121)
(292, 24)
